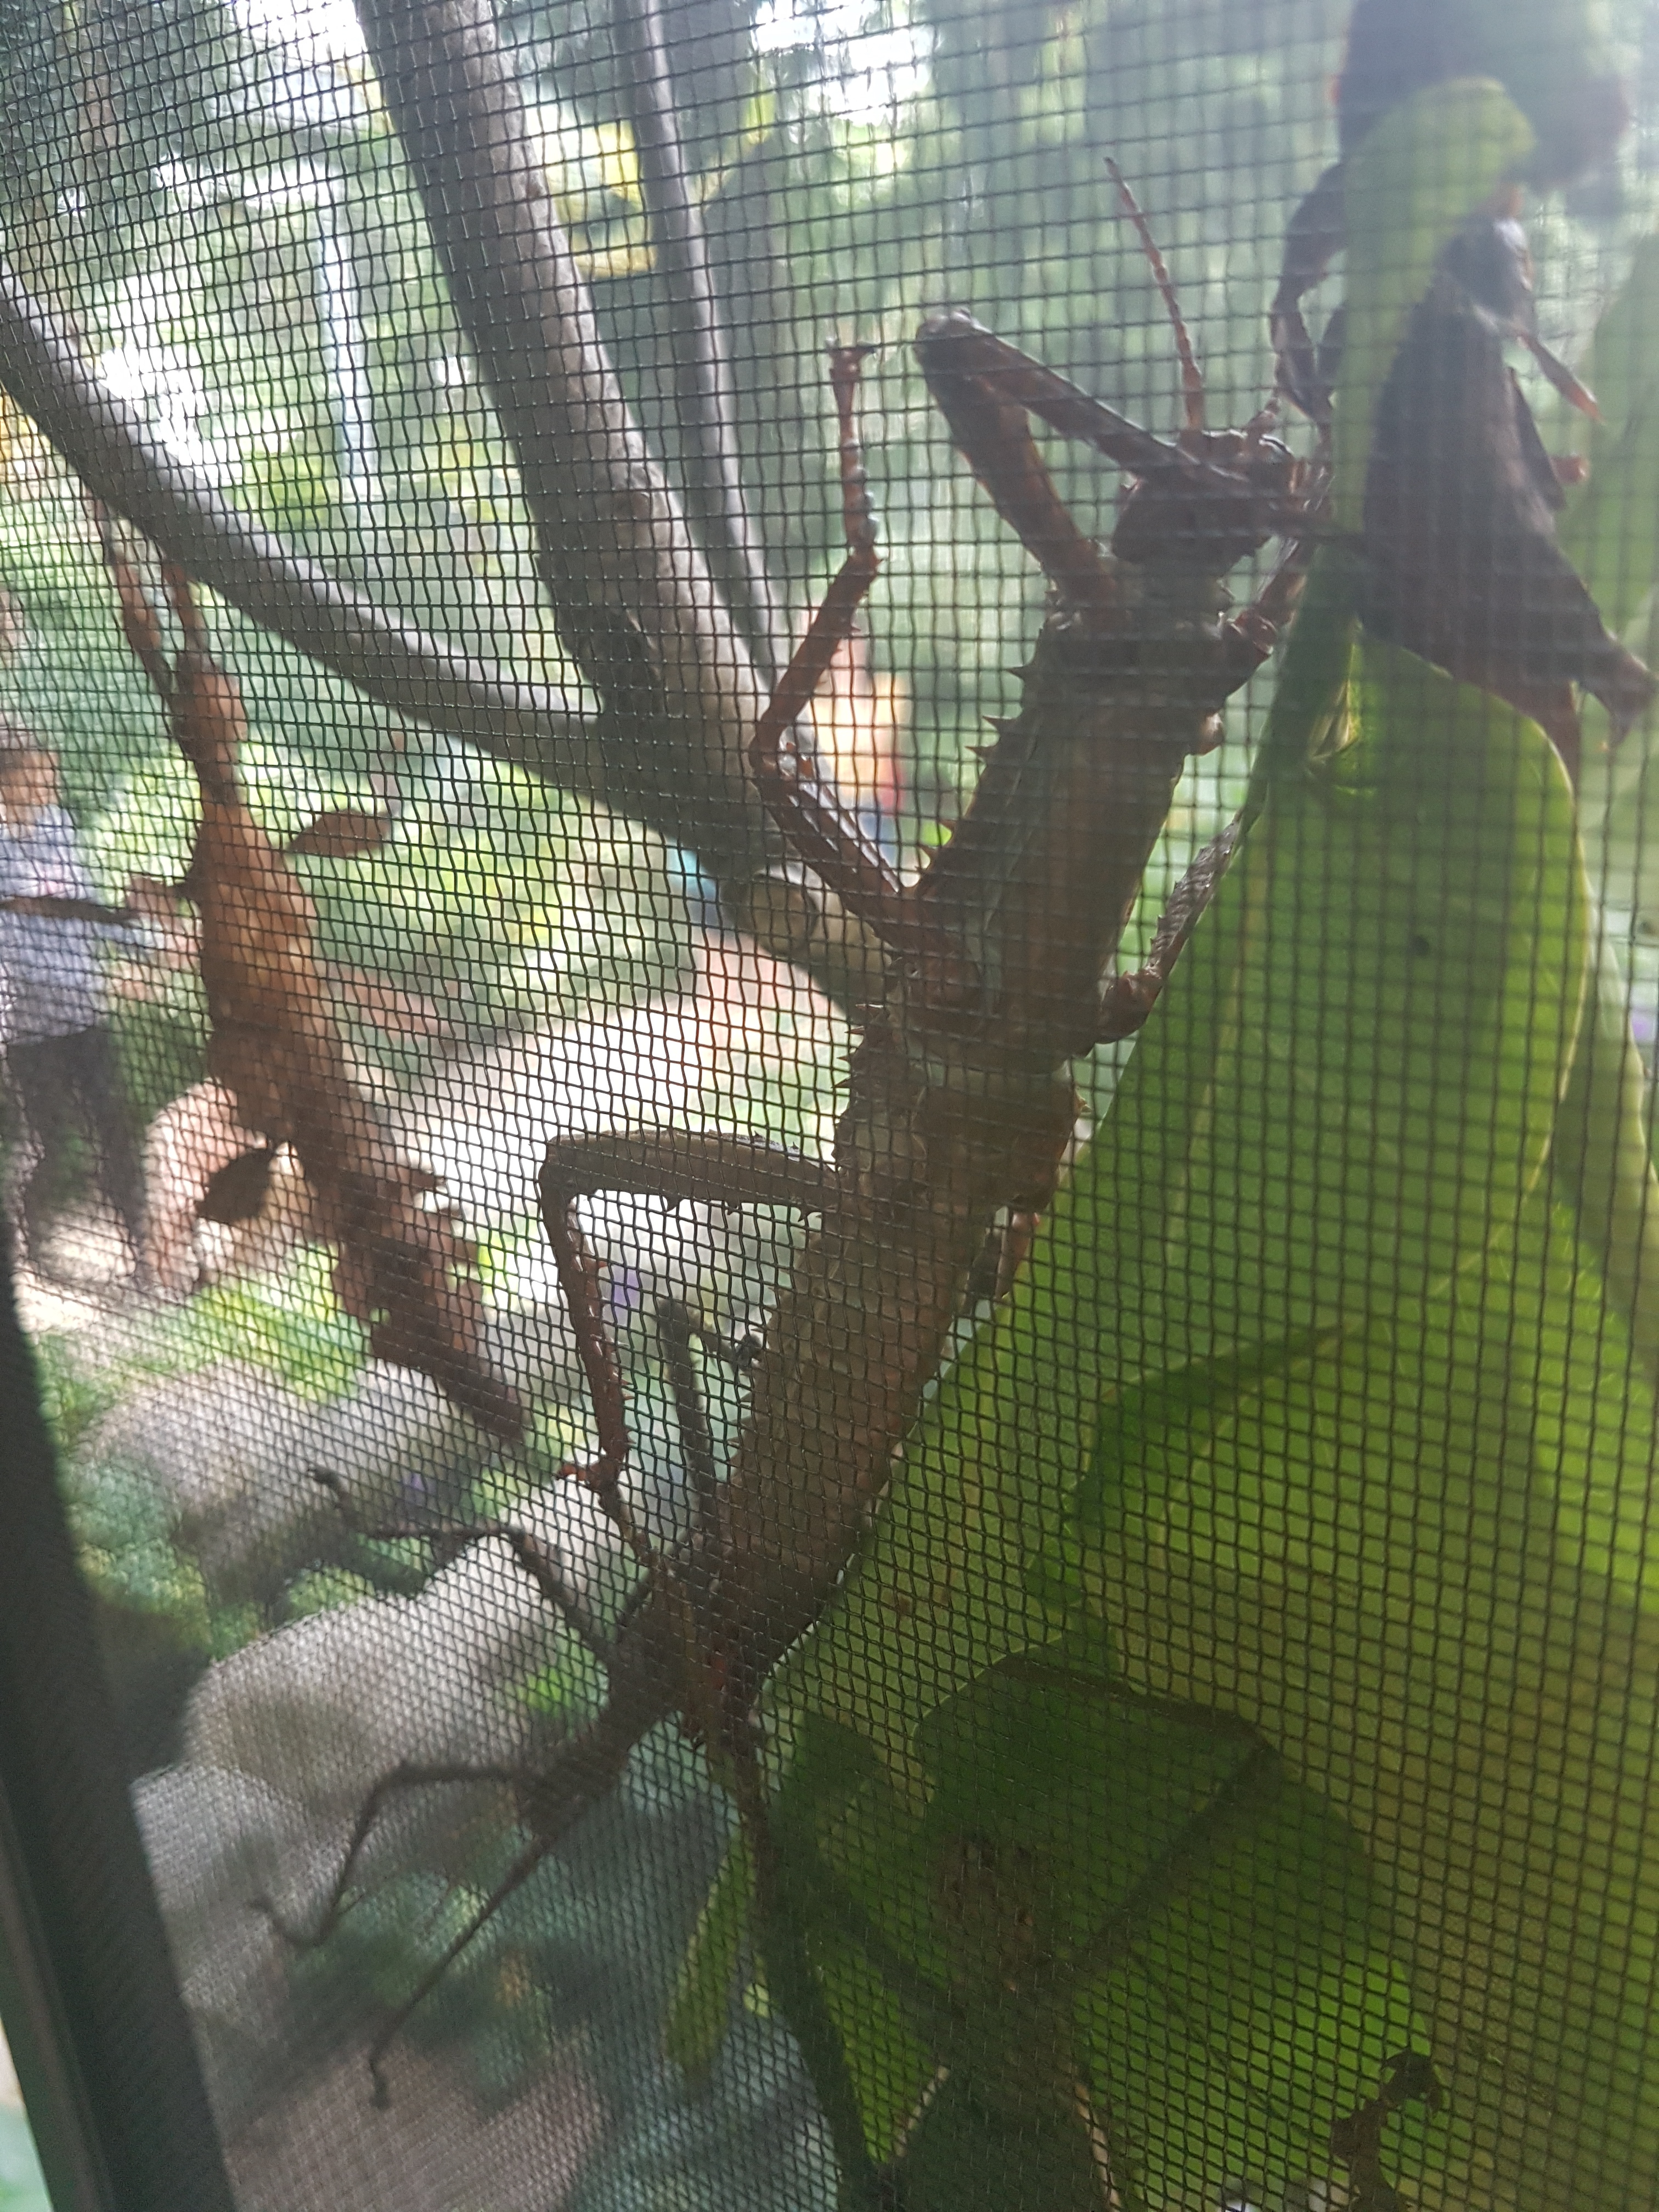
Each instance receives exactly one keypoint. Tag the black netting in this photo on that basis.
(768, 1531)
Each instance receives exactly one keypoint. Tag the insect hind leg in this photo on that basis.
(409, 1774)
(515, 1878)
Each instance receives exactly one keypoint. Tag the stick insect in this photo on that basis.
(1460, 562)
(961, 1102)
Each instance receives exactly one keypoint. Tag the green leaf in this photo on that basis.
(701, 2005)
(1409, 187)
(1308, 719)
(1425, 1561)
(1601, 1166)
(1610, 530)
(1159, 1424)
(1110, 1921)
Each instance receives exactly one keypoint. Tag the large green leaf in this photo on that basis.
(1610, 530)
(1424, 1561)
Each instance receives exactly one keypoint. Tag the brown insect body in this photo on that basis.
(401, 1268)
(1040, 873)
(960, 1101)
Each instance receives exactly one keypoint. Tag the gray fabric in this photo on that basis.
(53, 982)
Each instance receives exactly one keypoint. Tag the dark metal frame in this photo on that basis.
(88, 1997)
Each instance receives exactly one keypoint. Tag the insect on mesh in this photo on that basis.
(827, 980)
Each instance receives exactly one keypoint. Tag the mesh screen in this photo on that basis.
(827, 1027)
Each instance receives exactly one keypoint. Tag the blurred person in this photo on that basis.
(60, 1056)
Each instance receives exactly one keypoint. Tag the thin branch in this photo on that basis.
(631, 591)
(111, 449)
(706, 400)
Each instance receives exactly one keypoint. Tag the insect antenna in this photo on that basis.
(1192, 376)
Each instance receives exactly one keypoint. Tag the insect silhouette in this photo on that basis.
(1460, 562)
(960, 1101)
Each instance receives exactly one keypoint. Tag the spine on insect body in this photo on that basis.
(1042, 872)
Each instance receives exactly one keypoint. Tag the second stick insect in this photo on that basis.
(960, 1101)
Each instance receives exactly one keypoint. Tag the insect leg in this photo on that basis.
(515, 1878)
(541, 1564)
(1129, 998)
(662, 1163)
(1250, 635)
(819, 828)
(984, 387)
(410, 1775)
(677, 1328)
(584, 1301)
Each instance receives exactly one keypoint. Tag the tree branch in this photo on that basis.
(107, 444)
(110, 447)
(705, 397)
(631, 592)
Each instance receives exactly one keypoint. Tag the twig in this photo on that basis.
(111, 449)
(704, 391)
(632, 593)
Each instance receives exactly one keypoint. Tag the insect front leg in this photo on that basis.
(684, 1169)
(809, 814)
(819, 828)
(986, 389)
